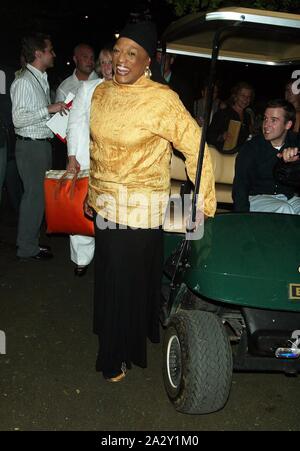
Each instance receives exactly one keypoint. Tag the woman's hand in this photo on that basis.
(200, 121)
(195, 229)
(88, 211)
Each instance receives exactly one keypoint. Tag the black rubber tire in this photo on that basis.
(197, 368)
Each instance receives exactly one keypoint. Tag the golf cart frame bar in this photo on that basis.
(200, 26)
(254, 16)
(230, 58)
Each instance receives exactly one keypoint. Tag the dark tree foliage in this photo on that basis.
(182, 7)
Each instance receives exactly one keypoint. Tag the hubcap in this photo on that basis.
(174, 361)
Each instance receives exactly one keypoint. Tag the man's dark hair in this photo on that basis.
(82, 45)
(289, 109)
(32, 43)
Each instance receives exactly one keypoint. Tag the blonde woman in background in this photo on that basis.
(104, 64)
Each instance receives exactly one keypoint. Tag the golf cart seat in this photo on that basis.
(223, 166)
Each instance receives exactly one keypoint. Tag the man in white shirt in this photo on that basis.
(31, 108)
(84, 59)
(78, 140)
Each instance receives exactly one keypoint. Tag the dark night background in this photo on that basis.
(67, 24)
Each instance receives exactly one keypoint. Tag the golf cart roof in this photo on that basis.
(262, 37)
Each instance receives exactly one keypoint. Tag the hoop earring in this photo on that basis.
(148, 73)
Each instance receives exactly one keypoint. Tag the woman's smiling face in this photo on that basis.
(129, 61)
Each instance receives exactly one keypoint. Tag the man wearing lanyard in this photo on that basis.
(31, 108)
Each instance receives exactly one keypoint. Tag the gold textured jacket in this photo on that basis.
(132, 127)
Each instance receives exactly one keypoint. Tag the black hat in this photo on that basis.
(143, 33)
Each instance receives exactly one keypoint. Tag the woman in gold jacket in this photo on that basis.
(133, 123)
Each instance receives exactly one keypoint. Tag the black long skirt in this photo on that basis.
(128, 271)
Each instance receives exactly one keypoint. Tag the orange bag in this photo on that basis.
(64, 197)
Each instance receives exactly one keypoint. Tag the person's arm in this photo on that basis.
(216, 133)
(77, 127)
(244, 167)
(60, 95)
(77, 120)
(78, 131)
(178, 127)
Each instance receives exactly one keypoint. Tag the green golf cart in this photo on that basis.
(231, 300)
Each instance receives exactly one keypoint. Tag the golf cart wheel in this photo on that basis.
(197, 366)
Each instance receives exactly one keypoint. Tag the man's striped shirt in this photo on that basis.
(30, 95)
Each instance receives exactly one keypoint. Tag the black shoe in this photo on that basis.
(80, 271)
(42, 255)
(43, 247)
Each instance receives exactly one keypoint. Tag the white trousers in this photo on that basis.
(82, 249)
(275, 203)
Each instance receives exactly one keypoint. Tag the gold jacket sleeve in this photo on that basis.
(184, 133)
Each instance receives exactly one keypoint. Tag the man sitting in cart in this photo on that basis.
(254, 186)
